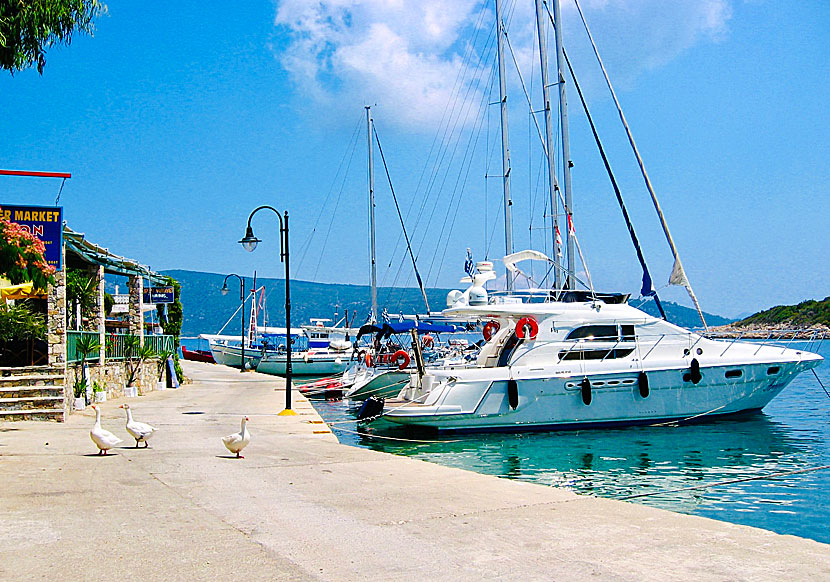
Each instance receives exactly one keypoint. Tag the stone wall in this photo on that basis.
(113, 376)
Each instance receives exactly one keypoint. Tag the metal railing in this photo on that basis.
(114, 346)
(72, 354)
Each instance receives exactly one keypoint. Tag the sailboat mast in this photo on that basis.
(505, 148)
(374, 314)
(566, 148)
(543, 59)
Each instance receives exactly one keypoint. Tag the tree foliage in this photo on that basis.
(21, 255)
(29, 27)
(19, 322)
(81, 290)
(805, 314)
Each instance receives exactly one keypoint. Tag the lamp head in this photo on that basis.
(224, 289)
(249, 242)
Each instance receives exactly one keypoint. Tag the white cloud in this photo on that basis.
(405, 55)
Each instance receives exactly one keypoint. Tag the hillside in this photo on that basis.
(206, 310)
(808, 313)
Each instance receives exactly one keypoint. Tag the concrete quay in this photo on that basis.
(301, 506)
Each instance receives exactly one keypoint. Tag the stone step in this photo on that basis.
(31, 403)
(56, 414)
(27, 391)
(30, 377)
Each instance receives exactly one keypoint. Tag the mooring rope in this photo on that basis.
(820, 383)
(377, 436)
(728, 482)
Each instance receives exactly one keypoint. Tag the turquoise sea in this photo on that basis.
(697, 468)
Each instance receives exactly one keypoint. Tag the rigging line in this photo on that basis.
(728, 482)
(468, 153)
(678, 266)
(397, 207)
(647, 281)
(493, 230)
(820, 383)
(452, 123)
(457, 192)
(527, 95)
(458, 203)
(307, 243)
(337, 200)
(437, 171)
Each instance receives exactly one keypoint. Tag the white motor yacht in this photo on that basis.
(560, 365)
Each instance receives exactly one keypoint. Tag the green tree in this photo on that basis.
(81, 290)
(29, 27)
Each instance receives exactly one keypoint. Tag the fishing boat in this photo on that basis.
(326, 352)
(570, 357)
(198, 355)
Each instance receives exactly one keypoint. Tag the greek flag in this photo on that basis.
(469, 265)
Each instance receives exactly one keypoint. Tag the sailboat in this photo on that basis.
(566, 358)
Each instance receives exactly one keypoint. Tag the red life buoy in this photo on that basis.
(427, 341)
(402, 359)
(367, 359)
(490, 329)
(527, 326)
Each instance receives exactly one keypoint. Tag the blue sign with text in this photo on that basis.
(45, 222)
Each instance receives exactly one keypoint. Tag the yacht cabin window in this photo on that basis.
(604, 333)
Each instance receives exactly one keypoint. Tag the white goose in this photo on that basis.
(239, 440)
(140, 431)
(103, 439)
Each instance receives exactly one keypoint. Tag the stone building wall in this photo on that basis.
(113, 377)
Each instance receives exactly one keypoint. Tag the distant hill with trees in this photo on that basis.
(206, 310)
(810, 313)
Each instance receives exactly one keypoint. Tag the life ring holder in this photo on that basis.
(490, 329)
(527, 326)
(401, 358)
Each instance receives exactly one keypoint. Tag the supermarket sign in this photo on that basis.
(45, 222)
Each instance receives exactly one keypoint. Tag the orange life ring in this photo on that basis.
(427, 341)
(402, 359)
(490, 329)
(367, 359)
(527, 326)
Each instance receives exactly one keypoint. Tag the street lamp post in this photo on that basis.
(224, 291)
(249, 242)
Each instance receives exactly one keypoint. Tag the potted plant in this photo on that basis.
(99, 392)
(79, 390)
(134, 357)
(85, 346)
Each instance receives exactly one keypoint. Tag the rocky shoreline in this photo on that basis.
(771, 332)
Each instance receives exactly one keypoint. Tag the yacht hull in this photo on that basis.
(304, 364)
(229, 355)
(476, 403)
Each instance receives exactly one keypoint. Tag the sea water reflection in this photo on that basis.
(681, 468)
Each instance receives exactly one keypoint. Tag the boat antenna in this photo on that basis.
(678, 274)
(505, 148)
(373, 315)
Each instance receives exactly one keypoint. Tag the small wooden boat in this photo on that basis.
(198, 355)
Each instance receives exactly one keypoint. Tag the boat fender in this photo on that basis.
(527, 326)
(513, 393)
(694, 371)
(402, 359)
(371, 408)
(367, 359)
(490, 329)
(586, 391)
(642, 380)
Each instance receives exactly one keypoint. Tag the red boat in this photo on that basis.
(198, 355)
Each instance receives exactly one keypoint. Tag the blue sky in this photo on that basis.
(175, 124)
